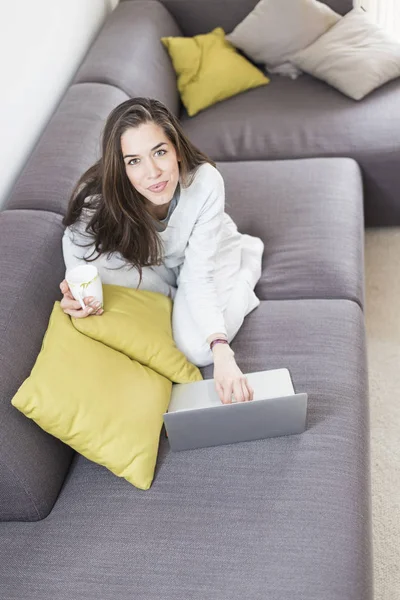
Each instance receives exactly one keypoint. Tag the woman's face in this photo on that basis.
(151, 164)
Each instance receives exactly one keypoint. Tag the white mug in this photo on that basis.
(85, 281)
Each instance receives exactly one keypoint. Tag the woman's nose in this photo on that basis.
(153, 170)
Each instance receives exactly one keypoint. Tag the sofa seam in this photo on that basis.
(117, 87)
(352, 300)
(30, 208)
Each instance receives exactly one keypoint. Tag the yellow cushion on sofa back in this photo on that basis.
(209, 69)
(97, 399)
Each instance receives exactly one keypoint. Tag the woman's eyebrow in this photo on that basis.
(152, 150)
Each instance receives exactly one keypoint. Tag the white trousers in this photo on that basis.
(235, 279)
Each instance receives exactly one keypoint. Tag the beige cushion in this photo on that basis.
(355, 56)
(275, 29)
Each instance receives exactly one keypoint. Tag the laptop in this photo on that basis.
(196, 418)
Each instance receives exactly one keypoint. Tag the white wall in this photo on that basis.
(42, 43)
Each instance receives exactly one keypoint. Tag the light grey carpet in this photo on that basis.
(382, 261)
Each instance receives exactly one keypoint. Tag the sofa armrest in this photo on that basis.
(128, 53)
(33, 464)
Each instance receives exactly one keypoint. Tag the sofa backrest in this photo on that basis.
(201, 16)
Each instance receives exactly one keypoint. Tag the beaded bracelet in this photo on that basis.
(218, 341)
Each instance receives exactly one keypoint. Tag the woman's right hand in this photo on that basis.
(73, 308)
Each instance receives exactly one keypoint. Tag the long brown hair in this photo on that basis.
(119, 219)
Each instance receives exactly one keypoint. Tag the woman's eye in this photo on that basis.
(162, 152)
(134, 161)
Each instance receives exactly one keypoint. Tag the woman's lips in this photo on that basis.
(158, 187)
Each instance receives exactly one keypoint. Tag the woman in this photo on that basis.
(150, 214)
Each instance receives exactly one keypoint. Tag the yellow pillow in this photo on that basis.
(138, 323)
(209, 69)
(98, 400)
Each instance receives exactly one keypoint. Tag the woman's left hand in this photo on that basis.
(229, 379)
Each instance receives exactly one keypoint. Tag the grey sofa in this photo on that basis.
(274, 519)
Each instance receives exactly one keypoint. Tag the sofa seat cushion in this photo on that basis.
(70, 144)
(281, 518)
(309, 214)
(308, 118)
(33, 464)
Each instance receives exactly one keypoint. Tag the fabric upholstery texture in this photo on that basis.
(33, 464)
(137, 63)
(307, 118)
(209, 69)
(309, 214)
(281, 518)
(70, 144)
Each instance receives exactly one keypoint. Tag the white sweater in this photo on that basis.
(197, 230)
